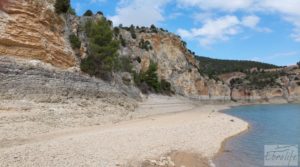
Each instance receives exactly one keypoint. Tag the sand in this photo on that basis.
(161, 125)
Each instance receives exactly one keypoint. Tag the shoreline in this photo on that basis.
(222, 148)
(161, 125)
(210, 160)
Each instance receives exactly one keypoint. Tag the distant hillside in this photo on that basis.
(212, 67)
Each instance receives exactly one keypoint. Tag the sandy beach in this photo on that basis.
(162, 131)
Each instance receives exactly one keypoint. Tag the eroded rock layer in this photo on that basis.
(31, 29)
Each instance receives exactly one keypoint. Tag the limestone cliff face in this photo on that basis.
(31, 29)
(178, 66)
(175, 64)
(288, 87)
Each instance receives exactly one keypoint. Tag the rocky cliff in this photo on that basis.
(176, 64)
(31, 29)
(284, 84)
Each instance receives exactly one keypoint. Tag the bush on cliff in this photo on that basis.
(122, 40)
(149, 82)
(102, 58)
(88, 13)
(132, 32)
(72, 11)
(151, 77)
(153, 29)
(165, 87)
(298, 64)
(62, 6)
(75, 42)
(145, 45)
(125, 64)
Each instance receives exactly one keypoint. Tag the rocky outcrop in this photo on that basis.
(39, 82)
(287, 87)
(31, 29)
(175, 64)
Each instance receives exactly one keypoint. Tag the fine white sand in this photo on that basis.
(160, 125)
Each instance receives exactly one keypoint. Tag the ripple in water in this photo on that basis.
(270, 125)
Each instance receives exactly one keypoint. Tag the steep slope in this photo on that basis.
(31, 29)
(175, 63)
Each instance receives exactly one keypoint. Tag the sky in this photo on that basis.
(259, 30)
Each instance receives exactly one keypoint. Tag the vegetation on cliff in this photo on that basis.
(149, 81)
(102, 58)
(75, 42)
(146, 45)
(62, 6)
(258, 80)
(213, 67)
(298, 63)
(88, 13)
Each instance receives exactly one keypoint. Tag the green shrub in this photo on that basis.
(145, 45)
(88, 13)
(153, 29)
(298, 63)
(124, 64)
(102, 59)
(151, 77)
(122, 40)
(89, 65)
(116, 31)
(165, 86)
(100, 13)
(75, 42)
(132, 32)
(62, 6)
(138, 59)
(183, 43)
(148, 81)
(72, 11)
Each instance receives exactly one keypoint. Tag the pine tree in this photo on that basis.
(62, 6)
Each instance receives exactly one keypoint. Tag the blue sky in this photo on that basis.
(260, 30)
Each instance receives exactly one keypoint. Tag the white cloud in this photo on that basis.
(220, 29)
(225, 5)
(139, 12)
(288, 7)
(203, 16)
(250, 21)
(147, 12)
(289, 10)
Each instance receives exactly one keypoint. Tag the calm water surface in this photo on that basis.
(270, 125)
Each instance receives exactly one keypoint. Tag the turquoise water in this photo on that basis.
(270, 125)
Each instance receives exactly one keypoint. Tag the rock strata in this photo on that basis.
(31, 29)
